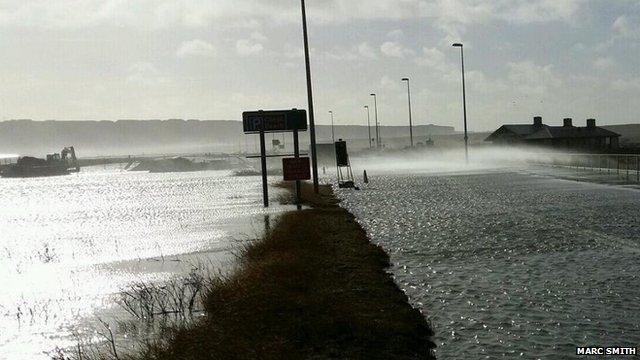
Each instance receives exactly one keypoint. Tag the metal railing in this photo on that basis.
(623, 166)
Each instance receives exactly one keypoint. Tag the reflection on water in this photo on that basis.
(508, 264)
(67, 243)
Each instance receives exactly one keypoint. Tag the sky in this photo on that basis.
(160, 59)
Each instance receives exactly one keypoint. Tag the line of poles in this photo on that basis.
(312, 132)
(378, 143)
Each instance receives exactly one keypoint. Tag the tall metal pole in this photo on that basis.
(410, 120)
(296, 153)
(375, 103)
(464, 104)
(312, 123)
(263, 164)
(368, 123)
(333, 134)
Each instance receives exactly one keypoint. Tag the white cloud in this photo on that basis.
(145, 73)
(195, 48)
(363, 51)
(367, 51)
(389, 84)
(139, 13)
(447, 14)
(394, 49)
(529, 78)
(455, 16)
(253, 45)
(341, 54)
(525, 12)
(248, 47)
(627, 26)
(434, 58)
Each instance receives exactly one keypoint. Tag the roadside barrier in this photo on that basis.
(623, 166)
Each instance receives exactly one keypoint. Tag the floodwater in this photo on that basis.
(510, 263)
(68, 244)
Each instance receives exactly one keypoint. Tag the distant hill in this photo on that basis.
(122, 137)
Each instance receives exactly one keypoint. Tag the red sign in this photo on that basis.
(296, 169)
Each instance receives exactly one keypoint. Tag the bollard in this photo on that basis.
(365, 177)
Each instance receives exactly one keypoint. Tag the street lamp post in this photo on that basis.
(464, 104)
(312, 123)
(333, 135)
(410, 120)
(368, 124)
(375, 104)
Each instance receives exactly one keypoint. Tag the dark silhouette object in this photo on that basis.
(345, 174)
(410, 120)
(130, 162)
(312, 122)
(369, 124)
(267, 224)
(365, 178)
(563, 137)
(333, 134)
(429, 142)
(464, 104)
(62, 163)
(274, 121)
(342, 157)
(375, 103)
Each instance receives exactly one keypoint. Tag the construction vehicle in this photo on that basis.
(62, 163)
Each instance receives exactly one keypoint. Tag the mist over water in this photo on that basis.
(503, 259)
(438, 160)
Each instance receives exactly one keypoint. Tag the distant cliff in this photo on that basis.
(113, 137)
(124, 137)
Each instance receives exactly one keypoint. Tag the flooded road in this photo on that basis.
(510, 264)
(68, 244)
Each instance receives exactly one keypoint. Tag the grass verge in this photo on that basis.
(313, 288)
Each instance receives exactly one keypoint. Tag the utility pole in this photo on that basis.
(368, 124)
(312, 123)
(375, 102)
(333, 134)
(410, 120)
(464, 104)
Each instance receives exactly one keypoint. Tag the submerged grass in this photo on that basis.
(313, 287)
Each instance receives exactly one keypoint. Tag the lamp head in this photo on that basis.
(405, 79)
(457, 45)
(373, 94)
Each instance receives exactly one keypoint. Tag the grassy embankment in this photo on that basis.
(314, 287)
